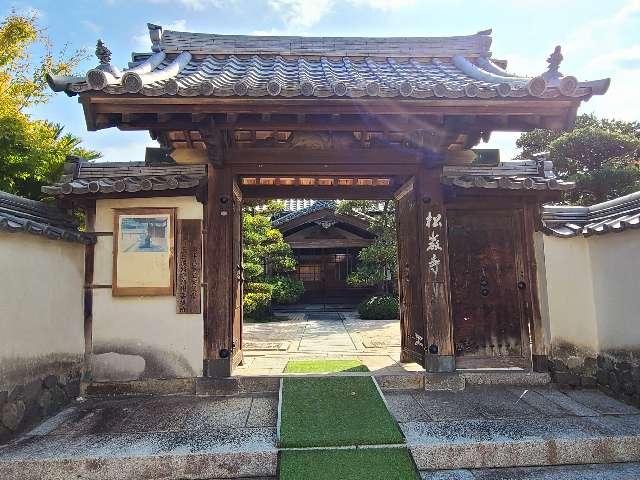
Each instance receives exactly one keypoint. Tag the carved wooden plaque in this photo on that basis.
(188, 266)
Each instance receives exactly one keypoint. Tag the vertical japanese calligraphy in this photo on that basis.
(433, 230)
(188, 266)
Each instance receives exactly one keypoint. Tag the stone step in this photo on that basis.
(458, 381)
(138, 438)
(524, 442)
(615, 471)
(219, 453)
(513, 426)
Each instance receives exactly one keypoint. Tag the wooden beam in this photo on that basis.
(266, 192)
(331, 106)
(355, 156)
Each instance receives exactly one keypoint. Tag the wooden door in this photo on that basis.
(238, 278)
(412, 325)
(487, 284)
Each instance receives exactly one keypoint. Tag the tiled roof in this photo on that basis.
(508, 175)
(19, 214)
(616, 215)
(197, 64)
(314, 207)
(95, 178)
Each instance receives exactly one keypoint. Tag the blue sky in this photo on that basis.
(599, 38)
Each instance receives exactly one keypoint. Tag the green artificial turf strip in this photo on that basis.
(360, 464)
(325, 366)
(335, 411)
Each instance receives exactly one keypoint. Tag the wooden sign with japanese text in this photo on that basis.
(189, 266)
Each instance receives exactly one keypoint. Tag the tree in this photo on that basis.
(267, 260)
(377, 263)
(32, 152)
(601, 155)
(264, 245)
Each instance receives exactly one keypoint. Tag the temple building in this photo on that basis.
(244, 118)
(326, 245)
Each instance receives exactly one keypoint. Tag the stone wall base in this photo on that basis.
(616, 373)
(23, 406)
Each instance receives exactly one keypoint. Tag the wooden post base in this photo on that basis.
(439, 363)
(217, 368)
(540, 363)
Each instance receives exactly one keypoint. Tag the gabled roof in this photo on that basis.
(321, 212)
(19, 214)
(316, 206)
(613, 216)
(199, 64)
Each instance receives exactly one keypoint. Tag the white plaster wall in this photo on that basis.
(148, 327)
(543, 299)
(41, 305)
(615, 262)
(570, 299)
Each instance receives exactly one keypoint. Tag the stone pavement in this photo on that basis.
(481, 433)
(269, 346)
(508, 426)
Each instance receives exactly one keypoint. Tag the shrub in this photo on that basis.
(286, 290)
(258, 287)
(379, 308)
(256, 306)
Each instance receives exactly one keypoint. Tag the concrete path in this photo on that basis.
(269, 346)
(494, 426)
(150, 438)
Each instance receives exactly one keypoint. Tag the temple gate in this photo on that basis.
(348, 118)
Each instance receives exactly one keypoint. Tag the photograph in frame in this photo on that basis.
(143, 251)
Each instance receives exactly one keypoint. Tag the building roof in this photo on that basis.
(117, 177)
(19, 214)
(200, 64)
(316, 206)
(616, 215)
(507, 175)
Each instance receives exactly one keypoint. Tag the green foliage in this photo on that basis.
(264, 247)
(379, 308)
(602, 156)
(258, 287)
(32, 152)
(377, 263)
(285, 290)
(256, 306)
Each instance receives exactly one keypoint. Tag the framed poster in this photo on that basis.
(143, 246)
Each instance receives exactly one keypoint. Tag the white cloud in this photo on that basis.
(142, 42)
(91, 26)
(301, 14)
(194, 5)
(298, 15)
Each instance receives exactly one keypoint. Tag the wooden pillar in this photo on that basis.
(218, 341)
(89, 255)
(434, 263)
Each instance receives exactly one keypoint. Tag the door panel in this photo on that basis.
(487, 308)
(412, 329)
(238, 277)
